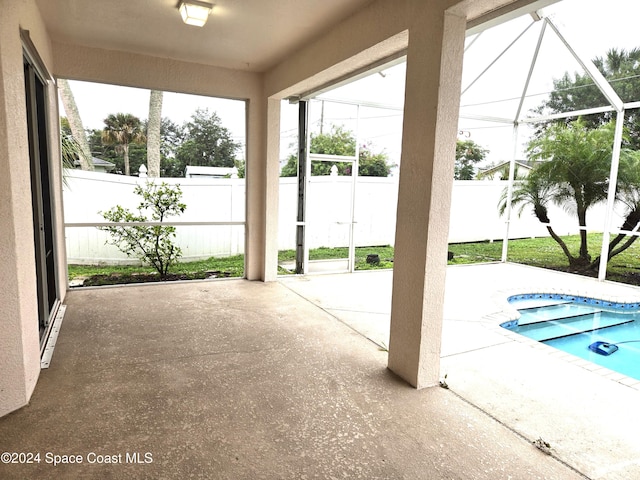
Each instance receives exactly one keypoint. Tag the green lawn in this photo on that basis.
(539, 252)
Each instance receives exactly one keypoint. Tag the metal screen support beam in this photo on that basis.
(355, 166)
(301, 234)
(512, 176)
(589, 67)
(611, 196)
(497, 58)
(512, 162)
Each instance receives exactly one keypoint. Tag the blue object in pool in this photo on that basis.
(603, 348)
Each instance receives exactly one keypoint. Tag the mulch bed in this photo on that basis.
(119, 279)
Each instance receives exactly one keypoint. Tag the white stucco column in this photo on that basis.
(263, 170)
(272, 190)
(432, 98)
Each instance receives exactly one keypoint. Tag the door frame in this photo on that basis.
(47, 262)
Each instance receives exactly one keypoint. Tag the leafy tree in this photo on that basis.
(121, 130)
(340, 141)
(206, 142)
(240, 164)
(577, 92)
(153, 245)
(290, 169)
(373, 164)
(171, 137)
(468, 154)
(201, 141)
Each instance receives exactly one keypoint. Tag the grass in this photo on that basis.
(539, 252)
(325, 253)
(546, 253)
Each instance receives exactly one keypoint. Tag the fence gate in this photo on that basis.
(325, 246)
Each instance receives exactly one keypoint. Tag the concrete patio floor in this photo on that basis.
(586, 413)
(233, 379)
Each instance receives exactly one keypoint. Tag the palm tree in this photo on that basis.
(153, 133)
(577, 166)
(75, 124)
(537, 191)
(573, 172)
(628, 194)
(122, 129)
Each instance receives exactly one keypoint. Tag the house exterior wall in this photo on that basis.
(19, 341)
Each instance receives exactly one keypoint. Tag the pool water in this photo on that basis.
(571, 323)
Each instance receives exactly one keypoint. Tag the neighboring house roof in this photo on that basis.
(525, 164)
(98, 162)
(209, 172)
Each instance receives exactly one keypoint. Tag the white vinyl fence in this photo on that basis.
(474, 214)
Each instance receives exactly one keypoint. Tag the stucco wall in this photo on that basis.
(369, 35)
(19, 343)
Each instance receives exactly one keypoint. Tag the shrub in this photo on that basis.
(153, 245)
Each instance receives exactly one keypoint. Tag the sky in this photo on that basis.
(97, 100)
(595, 25)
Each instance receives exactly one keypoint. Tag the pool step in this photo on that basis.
(571, 325)
(555, 312)
(531, 303)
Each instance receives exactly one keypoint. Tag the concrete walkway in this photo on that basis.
(586, 413)
(244, 380)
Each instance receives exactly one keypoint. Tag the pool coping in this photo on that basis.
(507, 313)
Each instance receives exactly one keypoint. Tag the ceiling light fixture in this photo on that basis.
(195, 12)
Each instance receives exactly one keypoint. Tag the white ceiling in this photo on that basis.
(250, 35)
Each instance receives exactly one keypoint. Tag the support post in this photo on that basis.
(512, 177)
(432, 100)
(272, 187)
(611, 195)
(301, 237)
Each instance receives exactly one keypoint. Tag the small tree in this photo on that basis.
(340, 141)
(153, 245)
(468, 154)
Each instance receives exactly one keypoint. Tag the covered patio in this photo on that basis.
(256, 378)
(238, 379)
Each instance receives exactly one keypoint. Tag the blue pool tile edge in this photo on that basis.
(577, 299)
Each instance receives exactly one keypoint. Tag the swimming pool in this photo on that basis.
(572, 323)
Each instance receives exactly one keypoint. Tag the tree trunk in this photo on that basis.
(75, 122)
(630, 222)
(125, 157)
(584, 248)
(563, 245)
(153, 133)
